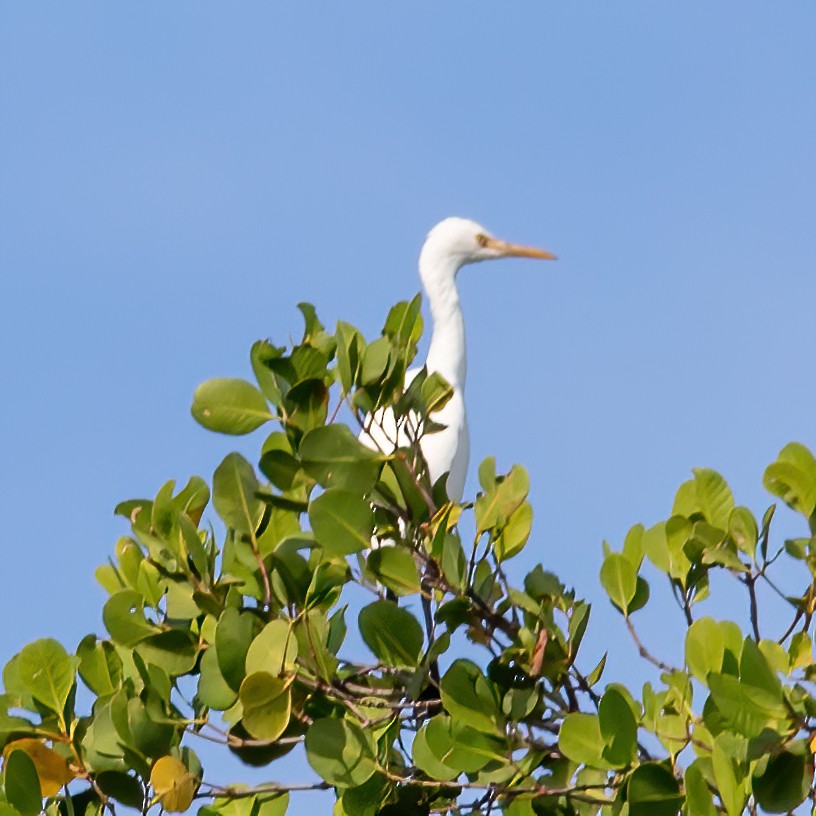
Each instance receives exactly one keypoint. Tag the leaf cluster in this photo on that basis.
(454, 691)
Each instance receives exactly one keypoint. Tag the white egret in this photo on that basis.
(450, 245)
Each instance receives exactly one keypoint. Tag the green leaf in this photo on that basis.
(277, 462)
(263, 356)
(47, 672)
(656, 546)
(101, 745)
(404, 325)
(515, 533)
(714, 497)
(454, 561)
(230, 406)
(618, 729)
(745, 709)
(633, 546)
(174, 651)
(465, 749)
(470, 697)
(619, 579)
(340, 752)
(728, 763)
(22, 784)
(213, 690)
(800, 651)
(313, 329)
(375, 361)
(235, 494)
(233, 636)
(271, 804)
(755, 670)
(427, 761)
(331, 575)
(342, 521)
(698, 797)
(495, 507)
(580, 740)
(705, 648)
(785, 780)
(123, 616)
(641, 596)
(595, 675)
(653, 791)
(307, 405)
(365, 800)
(793, 478)
(434, 393)
(487, 474)
(99, 665)
(125, 789)
(394, 567)
(393, 634)
(742, 529)
(337, 630)
(267, 704)
(147, 728)
(471, 750)
(350, 347)
(334, 457)
(273, 650)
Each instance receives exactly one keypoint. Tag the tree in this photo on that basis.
(474, 698)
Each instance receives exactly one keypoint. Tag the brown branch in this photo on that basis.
(645, 653)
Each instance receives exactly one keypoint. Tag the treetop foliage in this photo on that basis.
(350, 611)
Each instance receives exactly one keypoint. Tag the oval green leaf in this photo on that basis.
(393, 634)
(22, 784)
(581, 741)
(230, 406)
(267, 703)
(235, 494)
(618, 729)
(340, 752)
(653, 791)
(468, 696)
(619, 579)
(342, 521)
(273, 650)
(47, 673)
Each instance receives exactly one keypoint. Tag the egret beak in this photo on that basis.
(508, 250)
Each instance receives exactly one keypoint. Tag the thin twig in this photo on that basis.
(644, 652)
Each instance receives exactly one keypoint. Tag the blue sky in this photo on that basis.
(175, 177)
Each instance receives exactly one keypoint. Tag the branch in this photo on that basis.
(750, 583)
(644, 652)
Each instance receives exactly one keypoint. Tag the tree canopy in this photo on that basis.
(343, 607)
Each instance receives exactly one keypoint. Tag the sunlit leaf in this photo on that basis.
(47, 672)
(230, 406)
(342, 521)
(392, 633)
(340, 752)
(266, 702)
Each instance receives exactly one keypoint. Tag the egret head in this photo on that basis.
(454, 242)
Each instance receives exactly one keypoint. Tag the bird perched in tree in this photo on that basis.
(450, 245)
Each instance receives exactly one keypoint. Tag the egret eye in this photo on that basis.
(481, 239)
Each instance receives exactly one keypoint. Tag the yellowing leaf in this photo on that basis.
(174, 785)
(52, 768)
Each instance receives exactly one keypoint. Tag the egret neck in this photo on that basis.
(446, 354)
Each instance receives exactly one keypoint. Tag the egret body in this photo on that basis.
(450, 245)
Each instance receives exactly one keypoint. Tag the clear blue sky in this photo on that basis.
(174, 177)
